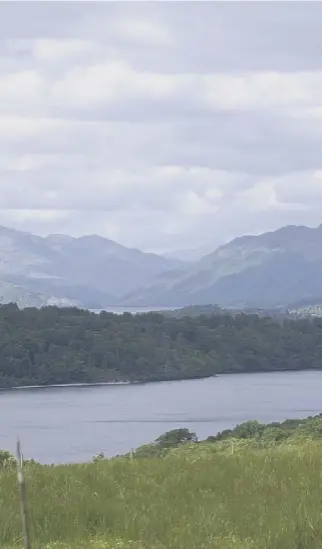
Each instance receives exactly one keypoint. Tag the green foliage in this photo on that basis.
(198, 496)
(193, 311)
(55, 345)
(250, 434)
(149, 451)
(273, 433)
(175, 438)
(98, 457)
(165, 442)
(6, 459)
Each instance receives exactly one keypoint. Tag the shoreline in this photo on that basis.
(148, 381)
(76, 385)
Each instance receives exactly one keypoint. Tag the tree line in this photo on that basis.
(260, 435)
(55, 345)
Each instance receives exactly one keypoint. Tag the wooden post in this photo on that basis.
(23, 501)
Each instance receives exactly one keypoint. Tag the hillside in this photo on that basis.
(265, 271)
(249, 492)
(259, 272)
(89, 271)
(56, 345)
(277, 313)
(13, 293)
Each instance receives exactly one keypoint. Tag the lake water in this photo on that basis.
(73, 424)
(133, 310)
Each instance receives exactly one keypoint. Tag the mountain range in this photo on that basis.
(90, 271)
(268, 270)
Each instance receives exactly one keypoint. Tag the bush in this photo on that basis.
(6, 459)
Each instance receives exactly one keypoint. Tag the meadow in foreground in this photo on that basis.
(228, 495)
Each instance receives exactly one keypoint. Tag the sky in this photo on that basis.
(161, 125)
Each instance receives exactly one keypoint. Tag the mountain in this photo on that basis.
(90, 271)
(193, 311)
(269, 270)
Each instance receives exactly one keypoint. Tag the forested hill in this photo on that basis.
(53, 345)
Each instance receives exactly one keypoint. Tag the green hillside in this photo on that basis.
(55, 345)
(247, 493)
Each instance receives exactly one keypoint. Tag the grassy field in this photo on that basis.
(228, 495)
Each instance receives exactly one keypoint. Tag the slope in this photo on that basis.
(225, 495)
(271, 269)
(90, 271)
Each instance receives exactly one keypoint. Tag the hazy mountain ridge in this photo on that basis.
(266, 271)
(269, 270)
(89, 271)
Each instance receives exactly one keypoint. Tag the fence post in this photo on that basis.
(23, 501)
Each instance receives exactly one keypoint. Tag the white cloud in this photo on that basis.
(263, 90)
(26, 86)
(15, 128)
(119, 81)
(109, 190)
(45, 216)
(49, 49)
(160, 124)
(261, 197)
(92, 85)
(191, 204)
(99, 84)
(32, 162)
(142, 30)
(304, 188)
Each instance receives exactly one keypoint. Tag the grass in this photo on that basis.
(210, 496)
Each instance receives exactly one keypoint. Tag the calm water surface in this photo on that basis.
(133, 310)
(73, 424)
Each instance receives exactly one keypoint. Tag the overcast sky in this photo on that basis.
(160, 125)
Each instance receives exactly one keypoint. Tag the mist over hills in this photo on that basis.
(89, 271)
(269, 270)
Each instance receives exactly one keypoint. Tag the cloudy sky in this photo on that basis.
(160, 125)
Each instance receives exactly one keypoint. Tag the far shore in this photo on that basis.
(60, 385)
(147, 381)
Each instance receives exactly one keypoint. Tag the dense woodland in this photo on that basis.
(54, 345)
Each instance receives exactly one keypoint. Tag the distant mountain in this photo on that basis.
(269, 270)
(189, 255)
(194, 311)
(89, 271)
(13, 293)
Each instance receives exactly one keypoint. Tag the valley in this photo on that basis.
(269, 271)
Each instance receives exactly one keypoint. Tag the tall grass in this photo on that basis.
(194, 498)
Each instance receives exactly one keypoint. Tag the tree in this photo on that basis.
(175, 438)
(53, 345)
